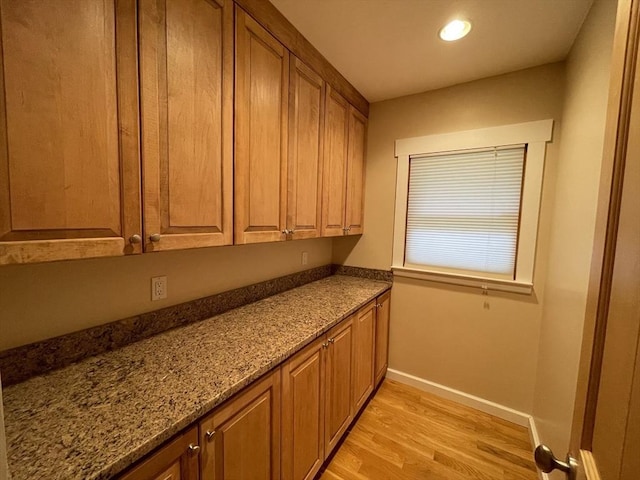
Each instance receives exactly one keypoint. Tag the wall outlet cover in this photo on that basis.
(158, 288)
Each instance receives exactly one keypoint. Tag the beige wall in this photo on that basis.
(439, 332)
(49, 299)
(572, 227)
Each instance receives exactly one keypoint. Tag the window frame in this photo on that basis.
(535, 135)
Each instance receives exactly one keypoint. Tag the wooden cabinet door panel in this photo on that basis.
(338, 375)
(186, 84)
(354, 209)
(382, 335)
(303, 413)
(171, 473)
(69, 163)
(336, 132)
(262, 89)
(241, 440)
(363, 354)
(174, 461)
(306, 128)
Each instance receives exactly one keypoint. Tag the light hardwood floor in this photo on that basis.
(405, 433)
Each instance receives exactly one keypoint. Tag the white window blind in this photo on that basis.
(463, 210)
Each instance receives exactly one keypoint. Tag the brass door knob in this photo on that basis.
(155, 237)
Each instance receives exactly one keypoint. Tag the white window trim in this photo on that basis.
(535, 135)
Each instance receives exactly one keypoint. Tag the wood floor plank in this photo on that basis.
(407, 434)
(507, 455)
(479, 472)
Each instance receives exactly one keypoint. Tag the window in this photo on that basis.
(467, 206)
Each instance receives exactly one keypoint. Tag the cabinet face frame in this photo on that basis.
(251, 222)
(306, 141)
(229, 415)
(173, 457)
(34, 244)
(302, 376)
(198, 213)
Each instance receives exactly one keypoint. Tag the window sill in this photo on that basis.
(465, 280)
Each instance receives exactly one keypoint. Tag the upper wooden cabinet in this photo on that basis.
(336, 133)
(177, 460)
(354, 208)
(241, 440)
(69, 163)
(70, 182)
(186, 84)
(261, 113)
(306, 128)
(344, 149)
(128, 130)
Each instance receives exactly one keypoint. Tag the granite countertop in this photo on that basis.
(93, 419)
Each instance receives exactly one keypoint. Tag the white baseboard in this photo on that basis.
(478, 403)
(487, 406)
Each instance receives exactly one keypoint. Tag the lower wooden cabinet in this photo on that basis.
(178, 460)
(285, 425)
(303, 412)
(383, 305)
(241, 439)
(339, 378)
(363, 354)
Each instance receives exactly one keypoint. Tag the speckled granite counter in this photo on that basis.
(93, 419)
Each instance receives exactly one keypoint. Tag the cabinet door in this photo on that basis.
(306, 127)
(336, 132)
(241, 440)
(303, 413)
(354, 214)
(262, 96)
(178, 460)
(339, 392)
(186, 82)
(363, 354)
(382, 335)
(69, 162)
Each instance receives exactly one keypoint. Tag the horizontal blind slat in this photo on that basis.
(463, 210)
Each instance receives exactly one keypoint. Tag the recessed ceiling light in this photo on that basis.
(455, 30)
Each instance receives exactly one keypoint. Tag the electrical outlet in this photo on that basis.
(158, 288)
(305, 258)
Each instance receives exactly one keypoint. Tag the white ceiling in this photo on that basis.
(390, 48)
